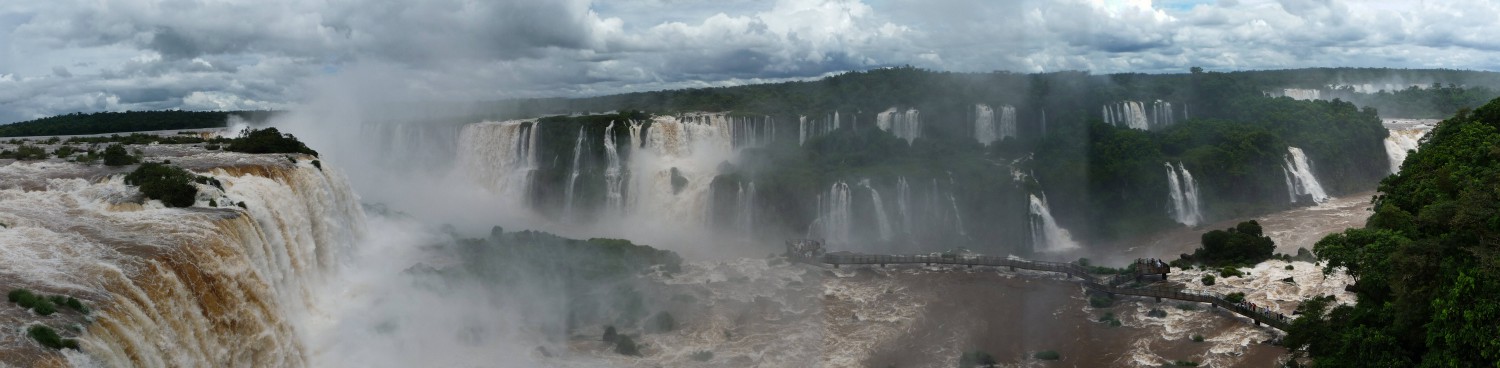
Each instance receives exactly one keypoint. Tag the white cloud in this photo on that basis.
(80, 55)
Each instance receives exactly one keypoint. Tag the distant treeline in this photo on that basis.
(129, 121)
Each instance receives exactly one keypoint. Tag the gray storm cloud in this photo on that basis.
(65, 56)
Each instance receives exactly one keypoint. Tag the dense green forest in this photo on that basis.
(1426, 264)
(129, 121)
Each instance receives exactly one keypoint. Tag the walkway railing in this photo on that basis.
(1109, 284)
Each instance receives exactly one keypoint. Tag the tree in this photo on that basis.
(172, 185)
(1242, 244)
(116, 155)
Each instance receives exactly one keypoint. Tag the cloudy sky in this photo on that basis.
(60, 56)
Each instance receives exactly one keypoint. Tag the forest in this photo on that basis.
(128, 121)
(1425, 263)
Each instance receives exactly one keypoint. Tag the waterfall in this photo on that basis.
(984, 125)
(801, 130)
(905, 125)
(881, 219)
(987, 131)
(1184, 193)
(1046, 235)
(1131, 114)
(958, 218)
(903, 204)
(500, 155)
(746, 208)
(1007, 121)
(614, 196)
(1302, 94)
(1299, 172)
(835, 214)
(573, 177)
(1399, 143)
(200, 287)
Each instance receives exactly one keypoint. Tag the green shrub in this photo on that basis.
(1109, 319)
(1156, 313)
(21, 296)
(317, 164)
(211, 147)
(1047, 355)
(268, 140)
(44, 307)
(1208, 280)
(976, 359)
(1101, 301)
(609, 334)
(625, 346)
(169, 184)
(49, 338)
(702, 355)
(77, 305)
(1185, 363)
(1228, 272)
(1235, 297)
(1197, 338)
(27, 152)
(115, 155)
(64, 151)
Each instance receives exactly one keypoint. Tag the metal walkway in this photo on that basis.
(1112, 284)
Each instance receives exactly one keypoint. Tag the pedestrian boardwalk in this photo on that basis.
(811, 252)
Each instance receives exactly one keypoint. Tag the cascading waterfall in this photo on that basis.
(984, 125)
(1131, 114)
(1046, 235)
(1161, 114)
(1184, 193)
(205, 286)
(905, 125)
(1008, 121)
(614, 195)
(500, 155)
(809, 129)
(1399, 143)
(903, 204)
(1299, 172)
(747, 208)
(1302, 94)
(986, 128)
(958, 217)
(883, 221)
(573, 177)
(834, 214)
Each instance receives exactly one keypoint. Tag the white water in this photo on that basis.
(199, 286)
(903, 204)
(1184, 193)
(905, 125)
(746, 208)
(833, 222)
(1135, 115)
(984, 125)
(1046, 235)
(1300, 177)
(573, 177)
(883, 221)
(1302, 94)
(500, 156)
(958, 217)
(614, 196)
(1405, 136)
(987, 130)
